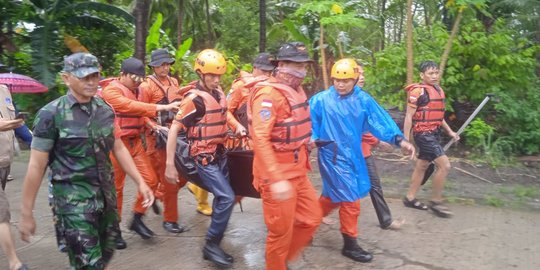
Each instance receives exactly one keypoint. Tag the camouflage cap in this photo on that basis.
(81, 64)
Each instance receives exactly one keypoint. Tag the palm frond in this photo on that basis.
(99, 7)
(44, 42)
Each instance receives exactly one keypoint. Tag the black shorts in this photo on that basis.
(428, 144)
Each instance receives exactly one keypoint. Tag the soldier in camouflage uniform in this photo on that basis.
(74, 135)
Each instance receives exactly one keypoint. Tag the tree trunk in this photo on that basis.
(262, 26)
(538, 52)
(400, 27)
(448, 47)
(427, 21)
(323, 57)
(180, 25)
(409, 41)
(209, 24)
(141, 27)
(382, 24)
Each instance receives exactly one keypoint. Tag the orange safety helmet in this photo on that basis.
(346, 68)
(210, 62)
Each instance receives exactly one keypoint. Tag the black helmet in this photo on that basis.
(294, 52)
(264, 62)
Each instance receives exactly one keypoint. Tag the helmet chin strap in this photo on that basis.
(201, 78)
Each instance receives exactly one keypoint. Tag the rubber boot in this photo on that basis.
(119, 242)
(138, 226)
(213, 252)
(353, 251)
(201, 196)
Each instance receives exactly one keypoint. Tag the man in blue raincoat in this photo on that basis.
(341, 115)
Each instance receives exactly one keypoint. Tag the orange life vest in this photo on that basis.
(211, 130)
(130, 125)
(170, 94)
(290, 133)
(429, 115)
(249, 82)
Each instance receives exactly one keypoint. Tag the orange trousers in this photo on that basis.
(291, 223)
(348, 214)
(169, 191)
(136, 149)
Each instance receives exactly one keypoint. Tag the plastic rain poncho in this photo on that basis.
(343, 119)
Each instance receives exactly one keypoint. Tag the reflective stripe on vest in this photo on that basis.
(211, 130)
(130, 125)
(290, 133)
(429, 116)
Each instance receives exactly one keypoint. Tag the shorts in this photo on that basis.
(428, 144)
(89, 238)
(4, 208)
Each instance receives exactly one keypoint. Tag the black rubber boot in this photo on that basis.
(138, 226)
(155, 208)
(213, 252)
(353, 251)
(119, 242)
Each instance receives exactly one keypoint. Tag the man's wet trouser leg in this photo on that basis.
(376, 195)
(291, 223)
(216, 177)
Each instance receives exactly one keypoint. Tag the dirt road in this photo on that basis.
(477, 237)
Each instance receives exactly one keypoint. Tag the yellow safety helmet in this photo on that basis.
(345, 68)
(210, 62)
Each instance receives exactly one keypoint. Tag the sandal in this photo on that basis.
(439, 209)
(414, 203)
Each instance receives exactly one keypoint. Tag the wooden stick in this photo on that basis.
(519, 174)
(473, 175)
(393, 160)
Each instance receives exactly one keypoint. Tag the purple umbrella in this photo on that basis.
(18, 83)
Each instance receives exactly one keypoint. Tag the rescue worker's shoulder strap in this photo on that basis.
(255, 80)
(184, 90)
(279, 86)
(158, 83)
(414, 86)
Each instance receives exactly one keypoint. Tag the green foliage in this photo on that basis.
(521, 192)
(238, 28)
(494, 201)
(480, 137)
(499, 62)
(154, 35)
(478, 132)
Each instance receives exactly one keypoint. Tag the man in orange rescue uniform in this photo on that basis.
(203, 112)
(280, 131)
(241, 87)
(160, 88)
(122, 94)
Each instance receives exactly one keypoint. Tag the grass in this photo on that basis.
(521, 192)
(494, 201)
(460, 200)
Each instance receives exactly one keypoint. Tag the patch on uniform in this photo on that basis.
(265, 114)
(8, 101)
(179, 114)
(267, 103)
